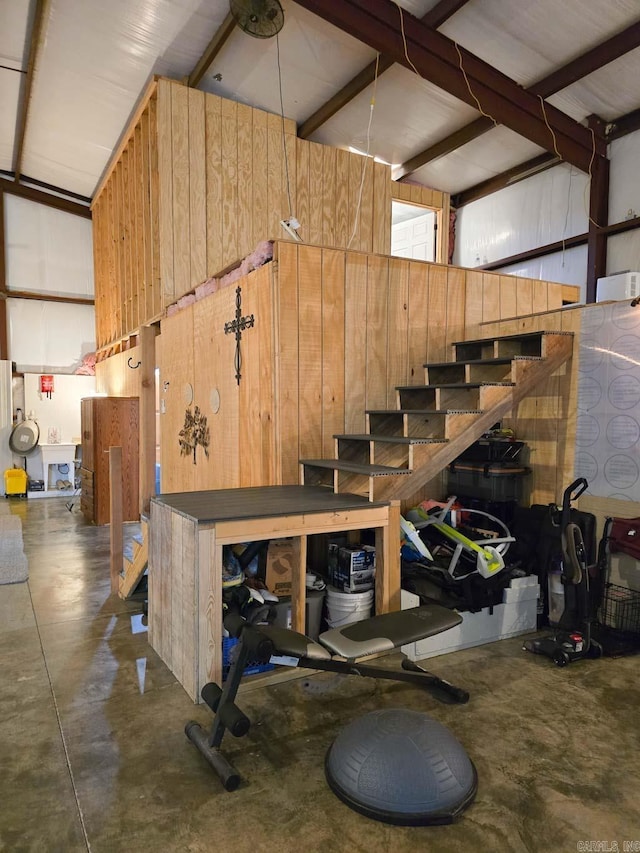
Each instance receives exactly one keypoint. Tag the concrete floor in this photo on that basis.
(93, 754)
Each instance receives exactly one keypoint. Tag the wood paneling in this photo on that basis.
(177, 375)
(355, 342)
(333, 347)
(199, 182)
(335, 332)
(127, 228)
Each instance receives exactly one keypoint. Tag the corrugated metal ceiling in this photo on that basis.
(95, 59)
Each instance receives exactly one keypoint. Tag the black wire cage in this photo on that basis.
(618, 614)
(620, 610)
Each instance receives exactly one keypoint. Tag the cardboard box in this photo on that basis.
(352, 569)
(281, 555)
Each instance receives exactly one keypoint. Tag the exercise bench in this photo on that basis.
(337, 650)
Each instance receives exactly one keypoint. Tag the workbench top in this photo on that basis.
(209, 507)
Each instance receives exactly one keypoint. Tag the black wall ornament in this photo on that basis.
(237, 327)
(194, 433)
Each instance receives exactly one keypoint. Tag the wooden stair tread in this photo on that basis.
(452, 385)
(523, 336)
(542, 353)
(488, 361)
(424, 411)
(354, 467)
(392, 439)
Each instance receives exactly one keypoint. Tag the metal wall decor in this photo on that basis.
(237, 327)
(194, 432)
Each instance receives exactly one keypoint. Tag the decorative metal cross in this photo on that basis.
(237, 327)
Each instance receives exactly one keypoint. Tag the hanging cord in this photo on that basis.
(367, 157)
(404, 38)
(471, 92)
(566, 216)
(464, 73)
(546, 121)
(588, 186)
(590, 170)
(284, 139)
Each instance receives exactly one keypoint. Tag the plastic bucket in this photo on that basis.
(346, 607)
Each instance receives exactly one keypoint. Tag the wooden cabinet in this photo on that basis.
(187, 533)
(109, 422)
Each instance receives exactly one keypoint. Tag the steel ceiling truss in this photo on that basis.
(588, 62)
(434, 18)
(382, 25)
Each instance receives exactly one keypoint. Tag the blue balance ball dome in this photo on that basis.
(401, 767)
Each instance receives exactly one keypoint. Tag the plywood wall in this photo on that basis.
(197, 368)
(334, 333)
(115, 378)
(126, 236)
(230, 173)
(199, 181)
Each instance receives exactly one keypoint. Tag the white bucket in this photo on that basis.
(346, 607)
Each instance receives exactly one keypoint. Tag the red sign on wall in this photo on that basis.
(46, 385)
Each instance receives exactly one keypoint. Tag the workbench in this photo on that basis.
(187, 533)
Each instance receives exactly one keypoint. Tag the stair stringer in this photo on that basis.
(134, 569)
(465, 429)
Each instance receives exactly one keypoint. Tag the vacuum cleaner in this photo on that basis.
(573, 640)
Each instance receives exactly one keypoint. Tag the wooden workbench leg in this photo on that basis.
(115, 516)
(299, 586)
(209, 595)
(388, 562)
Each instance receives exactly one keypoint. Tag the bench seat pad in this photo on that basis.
(389, 630)
(287, 642)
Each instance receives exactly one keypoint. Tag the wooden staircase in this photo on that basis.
(406, 447)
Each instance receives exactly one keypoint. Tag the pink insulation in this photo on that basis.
(88, 366)
(262, 253)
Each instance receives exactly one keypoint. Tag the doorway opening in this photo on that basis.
(414, 231)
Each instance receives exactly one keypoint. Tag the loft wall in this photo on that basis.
(199, 180)
(334, 333)
(126, 234)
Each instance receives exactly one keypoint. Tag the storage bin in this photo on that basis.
(313, 612)
(15, 481)
(252, 667)
(488, 482)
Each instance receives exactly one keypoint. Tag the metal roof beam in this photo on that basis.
(4, 346)
(580, 67)
(48, 199)
(434, 18)
(35, 42)
(212, 50)
(628, 123)
(385, 27)
(510, 176)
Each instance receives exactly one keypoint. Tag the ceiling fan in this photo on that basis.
(261, 19)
